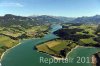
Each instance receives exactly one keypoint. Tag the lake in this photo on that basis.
(25, 55)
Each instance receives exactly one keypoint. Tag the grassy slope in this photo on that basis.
(6, 42)
(55, 46)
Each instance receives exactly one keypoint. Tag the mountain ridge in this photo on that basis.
(9, 19)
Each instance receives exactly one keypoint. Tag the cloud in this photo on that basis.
(11, 5)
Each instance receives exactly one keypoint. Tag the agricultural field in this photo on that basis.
(12, 35)
(55, 47)
(6, 43)
(71, 35)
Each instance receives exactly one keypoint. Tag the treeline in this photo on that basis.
(84, 38)
(70, 34)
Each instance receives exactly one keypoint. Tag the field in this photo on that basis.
(71, 35)
(54, 47)
(11, 36)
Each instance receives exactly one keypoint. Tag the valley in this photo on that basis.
(23, 38)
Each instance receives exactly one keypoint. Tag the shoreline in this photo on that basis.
(21, 41)
(9, 49)
(57, 58)
(78, 47)
(72, 50)
(54, 57)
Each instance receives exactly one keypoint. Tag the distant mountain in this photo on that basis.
(94, 19)
(10, 19)
(65, 19)
(54, 18)
(46, 18)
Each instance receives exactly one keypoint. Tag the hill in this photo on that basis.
(94, 19)
(10, 19)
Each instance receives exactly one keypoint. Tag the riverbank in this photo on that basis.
(58, 58)
(9, 49)
(23, 55)
(20, 41)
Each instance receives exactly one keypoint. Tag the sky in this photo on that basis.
(68, 8)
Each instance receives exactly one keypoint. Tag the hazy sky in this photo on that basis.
(69, 8)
